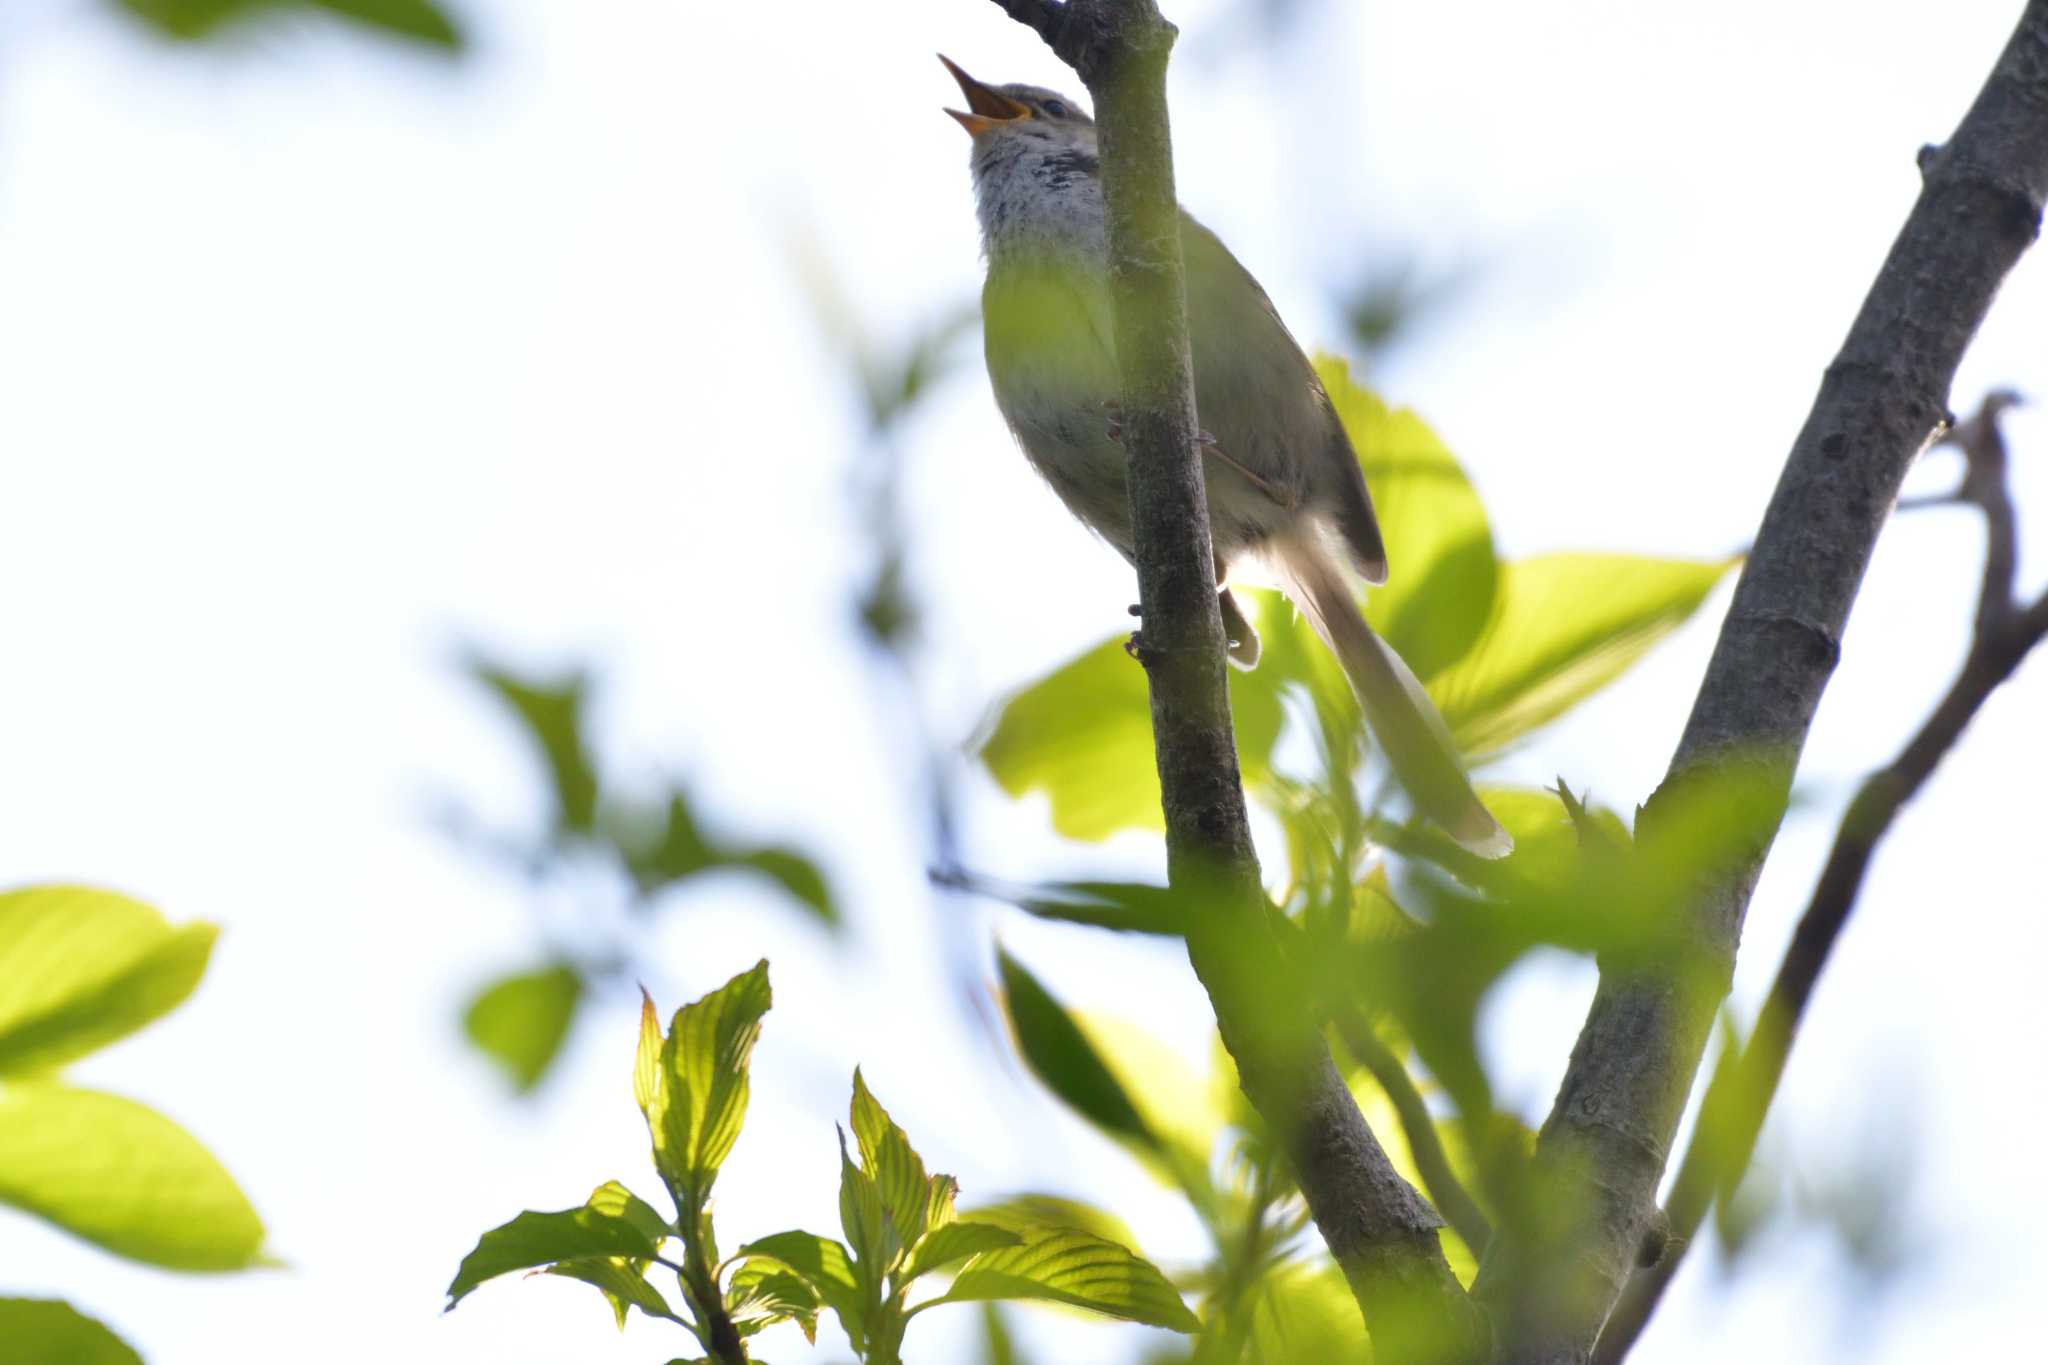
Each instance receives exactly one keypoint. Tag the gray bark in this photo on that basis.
(1609, 1133)
(1380, 1230)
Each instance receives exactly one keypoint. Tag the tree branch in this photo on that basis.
(1379, 1229)
(1605, 1143)
(1740, 1096)
(1446, 1191)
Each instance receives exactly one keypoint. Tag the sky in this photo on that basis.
(322, 358)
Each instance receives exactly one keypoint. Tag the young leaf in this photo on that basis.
(796, 874)
(533, 1240)
(1059, 1054)
(885, 1153)
(1034, 1212)
(1075, 1268)
(956, 1242)
(763, 1292)
(827, 1268)
(52, 1331)
(647, 1059)
(872, 1237)
(1561, 628)
(80, 967)
(701, 1099)
(616, 1201)
(623, 1282)
(520, 1021)
(1083, 735)
(123, 1176)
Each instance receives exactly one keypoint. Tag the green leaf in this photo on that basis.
(797, 875)
(1301, 1311)
(872, 1237)
(80, 968)
(614, 1200)
(647, 1058)
(520, 1021)
(681, 851)
(623, 1282)
(827, 1267)
(1442, 573)
(996, 1346)
(1060, 1055)
(764, 1291)
(1036, 1212)
(534, 1239)
(1561, 628)
(1083, 736)
(907, 1193)
(52, 1332)
(701, 1099)
(1075, 1268)
(1126, 907)
(552, 713)
(415, 20)
(124, 1177)
(190, 19)
(956, 1242)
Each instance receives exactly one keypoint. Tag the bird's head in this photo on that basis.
(998, 113)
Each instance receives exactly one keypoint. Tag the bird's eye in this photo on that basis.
(1054, 109)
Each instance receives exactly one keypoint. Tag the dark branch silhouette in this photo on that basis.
(1383, 1234)
(1740, 1096)
(1604, 1146)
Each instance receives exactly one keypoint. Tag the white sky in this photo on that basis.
(318, 358)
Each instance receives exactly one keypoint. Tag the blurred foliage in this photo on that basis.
(81, 968)
(691, 1083)
(1395, 937)
(416, 21)
(52, 1332)
(630, 845)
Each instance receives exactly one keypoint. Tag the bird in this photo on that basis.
(1285, 491)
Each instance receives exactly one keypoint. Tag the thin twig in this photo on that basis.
(1740, 1096)
(1425, 1144)
(1604, 1145)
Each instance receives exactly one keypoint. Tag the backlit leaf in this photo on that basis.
(956, 1242)
(1078, 1269)
(701, 1100)
(1562, 627)
(122, 1176)
(622, 1280)
(80, 967)
(1083, 735)
(1442, 573)
(52, 1332)
(763, 1292)
(899, 1174)
(826, 1267)
(533, 1240)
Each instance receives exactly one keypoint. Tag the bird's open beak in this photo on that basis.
(991, 107)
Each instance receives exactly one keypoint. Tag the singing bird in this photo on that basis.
(1284, 488)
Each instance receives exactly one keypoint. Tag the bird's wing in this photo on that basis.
(1257, 393)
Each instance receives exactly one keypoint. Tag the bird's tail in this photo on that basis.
(1404, 722)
